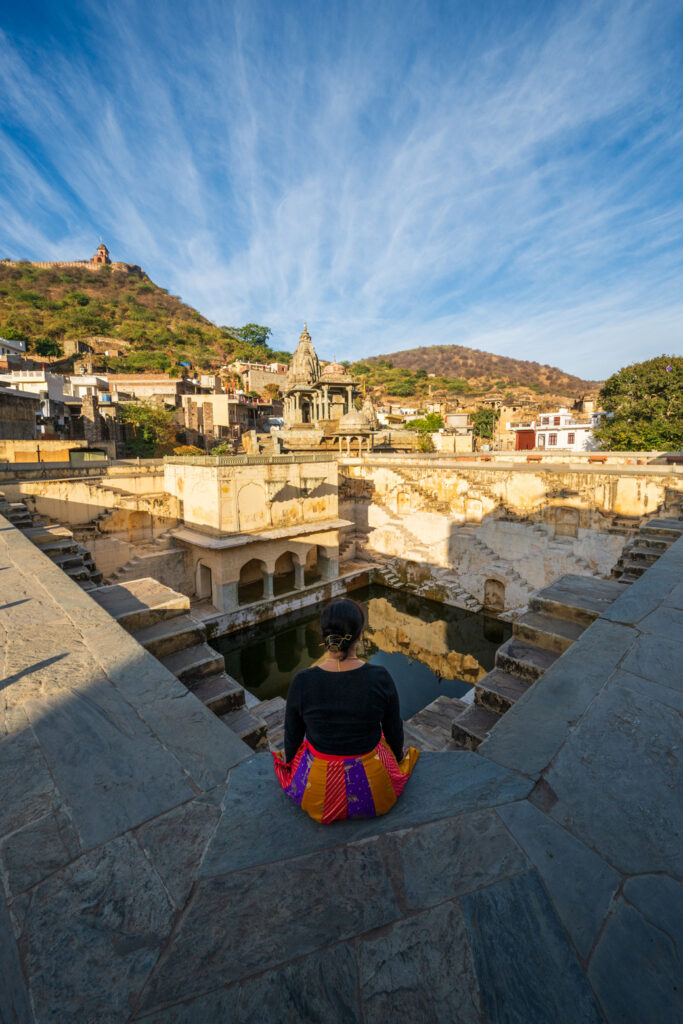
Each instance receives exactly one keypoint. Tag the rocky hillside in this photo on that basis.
(44, 307)
(467, 369)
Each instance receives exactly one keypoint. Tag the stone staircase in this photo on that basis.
(650, 541)
(444, 579)
(57, 542)
(160, 620)
(497, 563)
(557, 616)
(164, 542)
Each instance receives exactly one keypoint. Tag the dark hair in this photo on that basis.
(341, 623)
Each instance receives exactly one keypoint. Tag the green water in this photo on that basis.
(429, 649)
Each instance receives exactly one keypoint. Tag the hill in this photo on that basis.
(455, 368)
(43, 306)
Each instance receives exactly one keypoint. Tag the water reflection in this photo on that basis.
(429, 649)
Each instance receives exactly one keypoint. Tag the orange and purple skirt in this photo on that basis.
(330, 787)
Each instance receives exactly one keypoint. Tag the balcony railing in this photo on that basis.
(249, 460)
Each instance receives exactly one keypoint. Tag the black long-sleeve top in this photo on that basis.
(343, 712)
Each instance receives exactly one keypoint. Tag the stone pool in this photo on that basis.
(430, 649)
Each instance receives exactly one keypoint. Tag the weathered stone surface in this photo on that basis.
(473, 850)
(657, 658)
(664, 622)
(526, 967)
(28, 791)
(636, 967)
(36, 850)
(442, 785)
(92, 934)
(272, 913)
(420, 970)
(219, 1006)
(617, 780)
(580, 884)
(530, 734)
(117, 774)
(646, 594)
(175, 843)
(14, 1000)
(320, 989)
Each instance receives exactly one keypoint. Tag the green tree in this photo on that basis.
(431, 422)
(150, 429)
(254, 334)
(48, 347)
(644, 406)
(484, 422)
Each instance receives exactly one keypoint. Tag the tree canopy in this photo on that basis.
(150, 429)
(253, 334)
(484, 422)
(644, 403)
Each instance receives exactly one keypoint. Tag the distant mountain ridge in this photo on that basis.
(473, 364)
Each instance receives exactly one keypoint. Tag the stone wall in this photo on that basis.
(17, 415)
(250, 497)
(454, 532)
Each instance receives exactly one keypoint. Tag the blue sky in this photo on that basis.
(506, 175)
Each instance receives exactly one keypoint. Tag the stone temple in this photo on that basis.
(313, 396)
(151, 870)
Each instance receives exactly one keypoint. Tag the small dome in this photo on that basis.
(352, 422)
(331, 368)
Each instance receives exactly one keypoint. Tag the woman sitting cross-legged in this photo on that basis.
(343, 754)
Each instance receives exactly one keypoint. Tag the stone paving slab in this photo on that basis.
(420, 970)
(580, 884)
(92, 933)
(531, 733)
(442, 785)
(625, 801)
(517, 938)
(275, 914)
(636, 969)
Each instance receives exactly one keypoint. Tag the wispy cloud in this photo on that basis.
(395, 174)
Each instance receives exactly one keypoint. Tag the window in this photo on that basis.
(544, 421)
(571, 437)
(556, 421)
(552, 439)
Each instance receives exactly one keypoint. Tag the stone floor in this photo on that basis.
(153, 871)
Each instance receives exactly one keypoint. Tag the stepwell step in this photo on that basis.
(471, 727)
(547, 631)
(499, 690)
(577, 598)
(140, 603)
(519, 658)
(193, 664)
(248, 726)
(171, 635)
(221, 693)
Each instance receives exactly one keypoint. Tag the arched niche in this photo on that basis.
(494, 595)
(252, 509)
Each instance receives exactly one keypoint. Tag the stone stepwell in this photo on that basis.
(152, 870)
(58, 543)
(557, 615)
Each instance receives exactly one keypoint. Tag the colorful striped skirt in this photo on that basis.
(330, 787)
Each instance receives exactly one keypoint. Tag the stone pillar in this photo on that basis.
(348, 445)
(360, 445)
(326, 401)
(226, 597)
(267, 585)
(298, 576)
(340, 444)
(349, 400)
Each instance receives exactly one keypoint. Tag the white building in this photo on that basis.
(50, 388)
(561, 430)
(9, 347)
